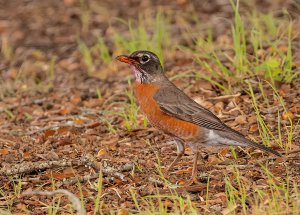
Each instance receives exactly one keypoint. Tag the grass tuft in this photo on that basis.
(139, 38)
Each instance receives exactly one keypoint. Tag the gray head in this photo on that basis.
(146, 66)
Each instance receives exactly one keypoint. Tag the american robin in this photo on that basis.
(173, 112)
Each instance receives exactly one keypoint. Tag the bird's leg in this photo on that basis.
(180, 152)
(195, 169)
(193, 179)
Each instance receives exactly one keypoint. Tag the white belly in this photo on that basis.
(215, 139)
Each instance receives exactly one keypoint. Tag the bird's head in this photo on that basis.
(145, 64)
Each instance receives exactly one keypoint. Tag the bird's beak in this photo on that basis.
(127, 59)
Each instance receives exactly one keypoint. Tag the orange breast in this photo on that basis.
(170, 125)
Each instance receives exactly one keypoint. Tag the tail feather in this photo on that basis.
(256, 145)
(262, 147)
(239, 140)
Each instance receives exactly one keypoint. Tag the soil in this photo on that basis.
(54, 129)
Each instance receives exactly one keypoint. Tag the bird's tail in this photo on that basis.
(236, 138)
(262, 147)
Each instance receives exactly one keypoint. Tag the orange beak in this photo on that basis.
(127, 59)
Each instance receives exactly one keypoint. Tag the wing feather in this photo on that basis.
(176, 103)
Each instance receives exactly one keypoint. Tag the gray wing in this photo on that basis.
(175, 103)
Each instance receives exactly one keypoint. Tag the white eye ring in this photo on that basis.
(145, 58)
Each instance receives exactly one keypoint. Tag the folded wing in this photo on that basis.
(175, 103)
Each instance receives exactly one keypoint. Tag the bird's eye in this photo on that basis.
(145, 58)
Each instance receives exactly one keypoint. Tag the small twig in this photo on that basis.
(227, 119)
(156, 181)
(112, 171)
(204, 90)
(182, 189)
(292, 152)
(60, 118)
(233, 109)
(6, 141)
(106, 171)
(89, 111)
(237, 166)
(73, 199)
(225, 97)
(117, 192)
(74, 180)
(28, 167)
(60, 125)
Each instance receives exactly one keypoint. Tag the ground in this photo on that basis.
(69, 120)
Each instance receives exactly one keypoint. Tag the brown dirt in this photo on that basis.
(44, 123)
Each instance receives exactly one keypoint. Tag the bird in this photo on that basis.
(170, 110)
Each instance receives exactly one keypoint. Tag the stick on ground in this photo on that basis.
(73, 199)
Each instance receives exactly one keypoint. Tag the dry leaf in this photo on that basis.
(168, 203)
(101, 152)
(92, 103)
(287, 115)
(26, 155)
(76, 99)
(21, 206)
(117, 182)
(296, 63)
(188, 151)
(212, 160)
(204, 84)
(4, 151)
(252, 119)
(67, 173)
(48, 134)
(223, 152)
(229, 210)
(283, 48)
(295, 109)
(69, 2)
(219, 106)
(184, 171)
(181, 182)
(253, 128)
(122, 212)
(62, 130)
(241, 119)
(93, 125)
(222, 196)
(12, 73)
(67, 108)
(79, 121)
